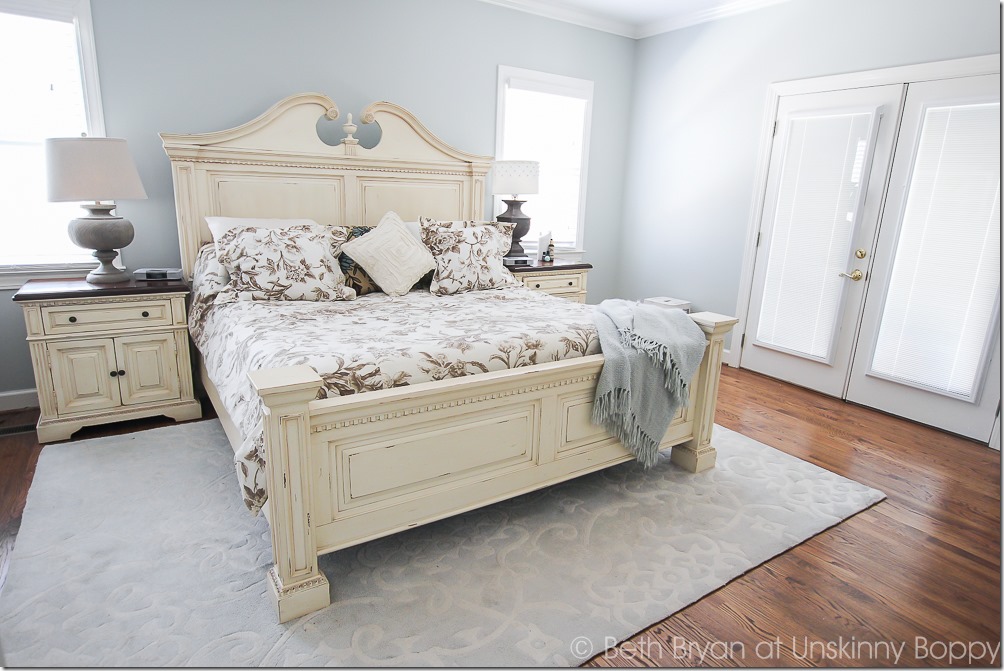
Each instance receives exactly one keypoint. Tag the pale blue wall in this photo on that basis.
(203, 65)
(667, 219)
(697, 113)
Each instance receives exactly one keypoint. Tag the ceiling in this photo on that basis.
(635, 18)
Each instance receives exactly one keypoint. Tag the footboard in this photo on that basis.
(346, 470)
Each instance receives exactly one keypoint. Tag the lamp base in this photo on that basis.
(105, 234)
(515, 215)
(106, 272)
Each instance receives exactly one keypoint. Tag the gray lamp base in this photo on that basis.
(105, 234)
(106, 272)
(515, 215)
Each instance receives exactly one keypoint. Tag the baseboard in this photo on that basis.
(18, 398)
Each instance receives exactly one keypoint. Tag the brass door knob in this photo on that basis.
(855, 275)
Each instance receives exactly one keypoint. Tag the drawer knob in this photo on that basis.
(121, 373)
(73, 320)
(114, 373)
(570, 283)
(145, 313)
(536, 286)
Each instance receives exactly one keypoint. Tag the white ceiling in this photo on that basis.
(635, 18)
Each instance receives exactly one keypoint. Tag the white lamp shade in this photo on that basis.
(91, 168)
(515, 177)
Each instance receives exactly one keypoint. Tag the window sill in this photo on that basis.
(13, 277)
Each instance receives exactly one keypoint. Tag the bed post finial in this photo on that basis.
(348, 140)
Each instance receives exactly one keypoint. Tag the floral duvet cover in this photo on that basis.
(374, 342)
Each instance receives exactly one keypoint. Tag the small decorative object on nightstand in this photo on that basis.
(558, 278)
(549, 252)
(95, 168)
(107, 353)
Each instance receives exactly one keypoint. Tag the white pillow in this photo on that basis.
(220, 225)
(391, 255)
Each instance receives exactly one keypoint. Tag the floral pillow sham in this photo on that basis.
(295, 263)
(468, 255)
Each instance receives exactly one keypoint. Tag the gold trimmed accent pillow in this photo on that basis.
(391, 255)
(296, 263)
(468, 255)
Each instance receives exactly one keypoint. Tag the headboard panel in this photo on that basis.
(277, 166)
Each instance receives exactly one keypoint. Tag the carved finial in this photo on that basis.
(349, 129)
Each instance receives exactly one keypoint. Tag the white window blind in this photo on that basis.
(546, 118)
(819, 195)
(44, 97)
(943, 297)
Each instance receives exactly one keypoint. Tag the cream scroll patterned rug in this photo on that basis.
(136, 550)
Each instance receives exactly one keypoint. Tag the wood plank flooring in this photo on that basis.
(914, 580)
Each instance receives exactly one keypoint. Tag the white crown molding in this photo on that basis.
(551, 10)
(560, 12)
(704, 16)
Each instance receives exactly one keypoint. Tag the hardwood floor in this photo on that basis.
(914, 580)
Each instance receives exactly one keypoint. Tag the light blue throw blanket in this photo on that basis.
(650, 355)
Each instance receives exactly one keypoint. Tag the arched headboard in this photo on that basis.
(277, 166)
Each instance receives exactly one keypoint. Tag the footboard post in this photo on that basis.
(298, 587)
(697, 454)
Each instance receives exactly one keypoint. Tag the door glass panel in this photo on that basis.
(819, 196)
(943, 296)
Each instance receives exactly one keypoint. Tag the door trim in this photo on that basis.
(950, 69)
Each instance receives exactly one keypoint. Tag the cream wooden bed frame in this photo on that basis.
(346, 470)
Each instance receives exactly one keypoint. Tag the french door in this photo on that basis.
(929, 346)
(888, 297)
(828, 167)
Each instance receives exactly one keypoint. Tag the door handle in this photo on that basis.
(855, 275)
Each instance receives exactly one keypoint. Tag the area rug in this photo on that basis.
(136, 550)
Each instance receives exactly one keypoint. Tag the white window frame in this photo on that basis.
(546, 82)
(77, 12)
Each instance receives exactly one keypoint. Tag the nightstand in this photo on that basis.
(107, 353)
(558, 278)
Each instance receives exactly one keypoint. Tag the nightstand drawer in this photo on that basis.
(68, 319)
(554, 283)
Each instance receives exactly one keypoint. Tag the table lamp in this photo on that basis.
(95, 169)
(515, 177)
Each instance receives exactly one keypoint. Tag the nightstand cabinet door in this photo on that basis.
(82, 375)
(148, 369)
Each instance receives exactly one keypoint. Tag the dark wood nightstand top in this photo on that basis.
(41, 290)
(538, 266)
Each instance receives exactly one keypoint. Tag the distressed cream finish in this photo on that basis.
(277, 166)
(570, 283)
(76, 343)
(345, 470)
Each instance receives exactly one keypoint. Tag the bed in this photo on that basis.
(343, 469)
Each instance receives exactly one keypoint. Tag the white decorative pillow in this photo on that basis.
(296, 263)
(391, 256)
(468, 255)
(218, 226)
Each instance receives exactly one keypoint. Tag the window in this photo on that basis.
(546, 118)
(52, 92)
